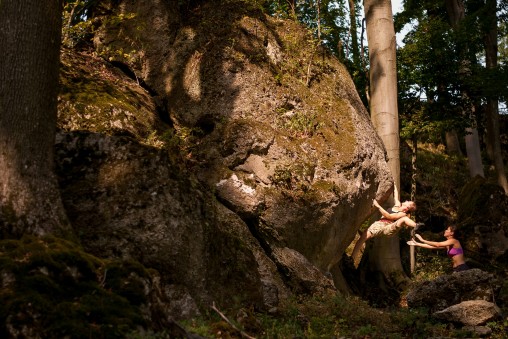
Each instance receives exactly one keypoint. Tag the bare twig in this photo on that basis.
(242, 333)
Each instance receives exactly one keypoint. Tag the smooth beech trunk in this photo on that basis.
(385, 256)
(29, 60)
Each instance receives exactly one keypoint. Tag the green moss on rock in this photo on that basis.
(53, 289)
(96, 96)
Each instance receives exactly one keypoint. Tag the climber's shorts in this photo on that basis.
(381, 228)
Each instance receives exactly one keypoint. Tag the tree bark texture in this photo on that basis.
(383, 77)
(455, 10)
(384, 115)
(30, 201)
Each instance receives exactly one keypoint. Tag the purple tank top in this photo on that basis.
(455, 251)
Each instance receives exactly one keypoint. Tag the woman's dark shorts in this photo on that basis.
(460, 268)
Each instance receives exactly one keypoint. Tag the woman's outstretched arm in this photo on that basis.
(448, 242)
(419, 244)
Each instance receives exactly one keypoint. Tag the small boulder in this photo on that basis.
(470, 313)
(452, 289)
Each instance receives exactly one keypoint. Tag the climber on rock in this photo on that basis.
(392, 220)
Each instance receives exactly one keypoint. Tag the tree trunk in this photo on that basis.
(456, 14)
(414, 174)
(30, 43)
(354, 34)
(452, 143)
(384, 114)
(474, 155)
(318, 9)
(492, 109)
(455, 10)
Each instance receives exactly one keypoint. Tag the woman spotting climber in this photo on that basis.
(451, 244)
(390, 223)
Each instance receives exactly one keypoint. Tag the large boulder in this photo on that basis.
(288, 146)
(260, 165)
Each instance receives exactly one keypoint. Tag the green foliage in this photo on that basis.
(300, 124)
(330, 29)
(437, 195)
(499, 328)
(282, 177)
(280, 9)
(430, 263)
(441, 69)
(52, 286)
(77, 27)
(333, 18)
(428, 89)
(79, 33)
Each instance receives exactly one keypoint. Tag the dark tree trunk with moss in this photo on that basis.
(29, 40)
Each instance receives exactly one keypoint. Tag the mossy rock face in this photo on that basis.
(52, 289)
(127, 200)
(96, 96)
(266, 120)
(483, 219)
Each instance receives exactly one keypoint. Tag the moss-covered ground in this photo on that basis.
(52, 289)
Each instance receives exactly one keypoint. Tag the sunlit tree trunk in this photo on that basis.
(492, 109)
(384, 114)
(29, 60)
